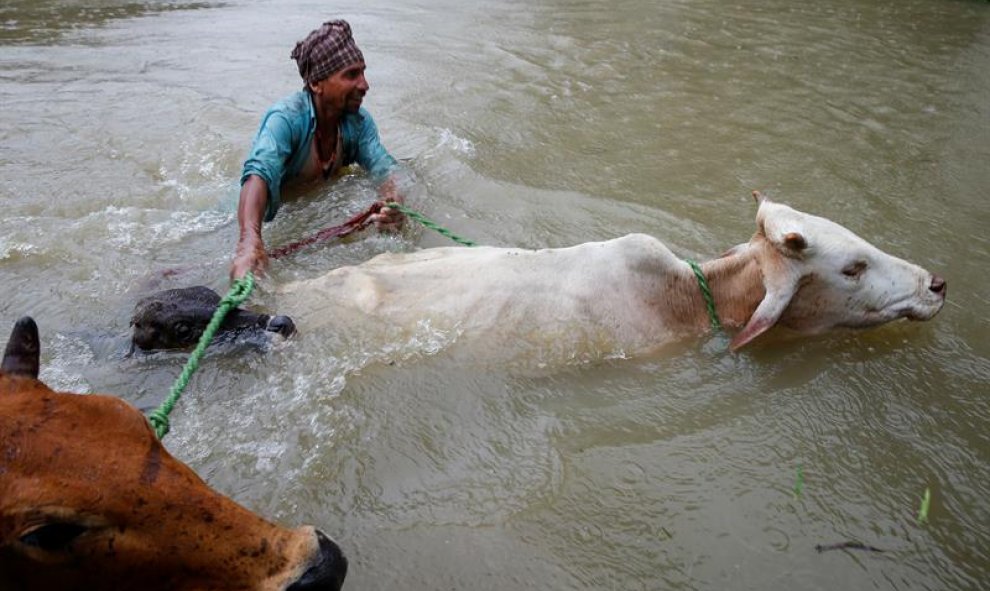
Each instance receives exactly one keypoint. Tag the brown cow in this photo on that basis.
(90, 499)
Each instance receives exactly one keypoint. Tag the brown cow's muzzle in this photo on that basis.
(329, 571)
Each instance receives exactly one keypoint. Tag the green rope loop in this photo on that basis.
(238, 293)
(706, 293)
(431, 224)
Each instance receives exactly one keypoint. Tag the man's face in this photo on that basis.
(343, 90)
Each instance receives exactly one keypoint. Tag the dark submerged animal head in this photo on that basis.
(176, 319)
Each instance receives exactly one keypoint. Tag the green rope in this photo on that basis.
(431, 224)
(238, 293)
(706, 293)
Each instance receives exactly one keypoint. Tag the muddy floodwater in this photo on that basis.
(548, 123)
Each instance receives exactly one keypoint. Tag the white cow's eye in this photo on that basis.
(854, 269)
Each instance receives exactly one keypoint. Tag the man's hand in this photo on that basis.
(250, 256)
(388, 219)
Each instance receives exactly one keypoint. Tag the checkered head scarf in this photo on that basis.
(325, 51)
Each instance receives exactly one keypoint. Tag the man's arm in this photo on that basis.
(261, 179)
(250, 254)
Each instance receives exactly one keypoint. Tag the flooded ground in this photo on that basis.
(124, 125)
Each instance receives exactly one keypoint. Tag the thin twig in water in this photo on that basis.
(847, 546)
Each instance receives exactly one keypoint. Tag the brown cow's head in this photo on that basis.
(89, 499)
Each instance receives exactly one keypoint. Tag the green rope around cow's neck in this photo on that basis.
(431, 224)
(706, 293)
(238, 293)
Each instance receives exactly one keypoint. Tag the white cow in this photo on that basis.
(629, 294)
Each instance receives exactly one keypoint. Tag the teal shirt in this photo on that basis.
(283, 141)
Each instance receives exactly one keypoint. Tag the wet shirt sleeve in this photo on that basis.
(269, 157)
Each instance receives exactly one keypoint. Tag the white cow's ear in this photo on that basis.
(780, 280)
(793, 242)
(785, 236)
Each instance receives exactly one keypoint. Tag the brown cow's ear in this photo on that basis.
(20, 358)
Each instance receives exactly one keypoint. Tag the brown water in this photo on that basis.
(124, 125)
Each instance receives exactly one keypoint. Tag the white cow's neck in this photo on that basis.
(737, 287)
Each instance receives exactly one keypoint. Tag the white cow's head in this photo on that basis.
(819, 275)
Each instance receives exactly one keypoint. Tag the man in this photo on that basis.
(305, 138)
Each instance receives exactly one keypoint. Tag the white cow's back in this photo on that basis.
(590, 294)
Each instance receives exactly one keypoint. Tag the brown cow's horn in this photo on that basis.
(20, 358)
